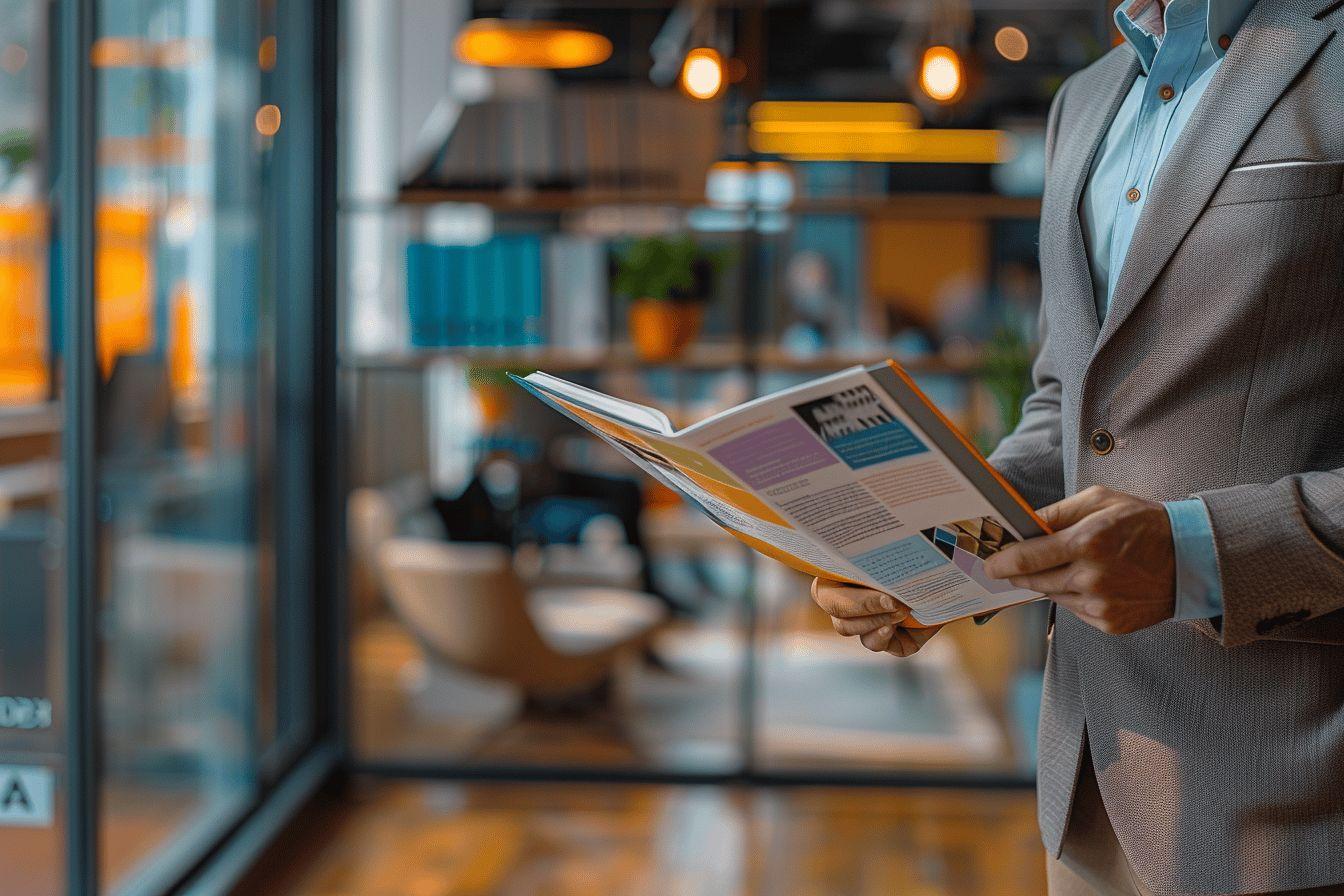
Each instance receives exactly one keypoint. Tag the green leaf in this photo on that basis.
(666, 269)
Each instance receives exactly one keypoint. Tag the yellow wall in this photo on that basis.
(910, 262)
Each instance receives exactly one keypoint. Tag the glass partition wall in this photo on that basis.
(162, 350)
(493, 201)
(34, 699)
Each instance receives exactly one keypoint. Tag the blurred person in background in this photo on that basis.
(1183, 441)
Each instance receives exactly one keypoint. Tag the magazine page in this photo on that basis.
(833, 478)
(841, 461)
(629, 412)
(698, 480)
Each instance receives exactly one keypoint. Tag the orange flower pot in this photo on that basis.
(662, 330)
(493, 402)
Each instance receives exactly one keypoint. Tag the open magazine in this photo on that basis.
(855, 477)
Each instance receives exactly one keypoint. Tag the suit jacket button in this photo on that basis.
(1101, 442)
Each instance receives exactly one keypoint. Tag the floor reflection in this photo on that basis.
(821, 702)
(513, 839)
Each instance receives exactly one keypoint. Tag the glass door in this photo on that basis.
(180, 139)
(33, 704)
(159, 414)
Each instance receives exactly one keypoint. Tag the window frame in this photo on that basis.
(301, 504)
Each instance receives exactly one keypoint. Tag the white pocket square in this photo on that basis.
(1293, 163)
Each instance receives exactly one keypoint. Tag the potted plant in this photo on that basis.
(493, 391)
(17, 149)
(1006, 373)
(667, 280)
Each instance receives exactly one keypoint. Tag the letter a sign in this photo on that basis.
(26, 796)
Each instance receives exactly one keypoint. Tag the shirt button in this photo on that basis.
(1224, 42)
(1133, 194)
(1166, 91)
(1101, 442)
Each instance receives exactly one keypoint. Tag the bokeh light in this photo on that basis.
(702, 73)
(501, 43)
(266, 53)
(13, 58)
(1012, 43)
(268, 120)
(941, 75)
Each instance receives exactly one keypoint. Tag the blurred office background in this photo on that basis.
(270, 509)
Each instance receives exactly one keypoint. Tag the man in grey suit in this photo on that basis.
(1186, 439)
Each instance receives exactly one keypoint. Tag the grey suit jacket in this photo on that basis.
(1219, 372)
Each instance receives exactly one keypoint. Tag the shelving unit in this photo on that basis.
(959, 206)
(852, 267)
(706, 357)
(30, 420)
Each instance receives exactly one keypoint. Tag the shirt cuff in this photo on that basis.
(1199, 587)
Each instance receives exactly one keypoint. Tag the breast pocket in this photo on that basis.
(1280, 181)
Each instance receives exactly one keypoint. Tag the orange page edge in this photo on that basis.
(975, 452)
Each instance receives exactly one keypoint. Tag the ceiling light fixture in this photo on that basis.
(702, 73)
(932, 145)
(507, 43)
(941, 74)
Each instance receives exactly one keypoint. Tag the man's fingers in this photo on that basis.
(1039, 554)
(907, 641)
(879, 639)
(1052, 581)
(1027, 557)
(1091, 610)
(1086, 607)
(902, 644)
(921, 636)
(861, 625)
(1063, 514)
(848, 601)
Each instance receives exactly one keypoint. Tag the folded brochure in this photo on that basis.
(855, 476)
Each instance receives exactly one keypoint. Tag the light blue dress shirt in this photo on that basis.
(1180, 45)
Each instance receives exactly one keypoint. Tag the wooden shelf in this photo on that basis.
(24, 481)
(777, 359)
(982, 206)
(547, 201)
(707, 357)
(553, 360)
(43, 418)
(958, 206)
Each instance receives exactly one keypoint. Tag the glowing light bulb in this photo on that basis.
(702, 73)
(940, 74)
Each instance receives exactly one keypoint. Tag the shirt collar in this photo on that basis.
(1141, 22)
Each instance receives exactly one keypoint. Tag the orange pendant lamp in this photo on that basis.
(519, 43)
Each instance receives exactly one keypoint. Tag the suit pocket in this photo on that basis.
(1280, 180)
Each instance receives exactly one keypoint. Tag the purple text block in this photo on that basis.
(775, 453)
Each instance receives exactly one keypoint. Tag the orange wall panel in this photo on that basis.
(914, 264)
(23, 304)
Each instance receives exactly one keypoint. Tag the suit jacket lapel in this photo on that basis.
(1098, 94)
(1275, 43)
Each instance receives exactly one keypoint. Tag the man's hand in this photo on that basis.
(880, 622)
(1110, 560)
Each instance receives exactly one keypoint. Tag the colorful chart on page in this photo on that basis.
(968, 543)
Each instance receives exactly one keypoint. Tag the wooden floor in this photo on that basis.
(432, 839)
